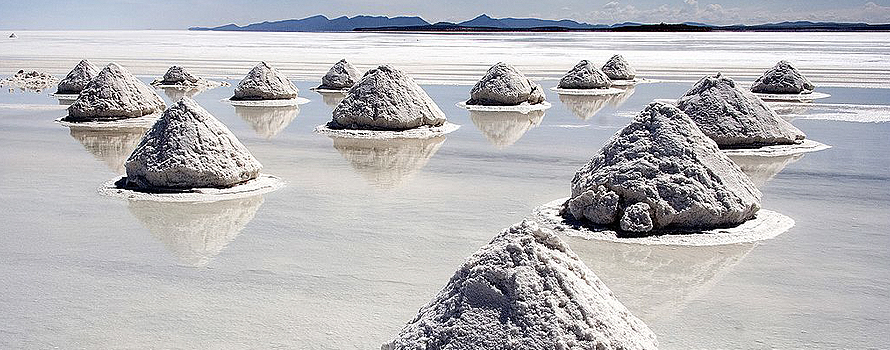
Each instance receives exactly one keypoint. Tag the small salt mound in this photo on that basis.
(617, 68)
(783, 78)
(189, 148)
(504, 85)
(115, 94)
(32, 80)
(585, 76)
(177, 75)
(733, 117)
(265, 83)
(662, 172)
(78, 78)
(525, 290)
(386, 99)
(342, 75)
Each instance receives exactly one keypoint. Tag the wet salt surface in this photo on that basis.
(364, 235)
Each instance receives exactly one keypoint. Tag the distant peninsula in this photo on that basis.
(484, 23)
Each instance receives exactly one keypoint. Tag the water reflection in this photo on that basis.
(196, 232)
(387, 163)
(332, 99)
(177, 93)
(585, 107)
(763, 169)
(268, 121)
(112, 146)
(503, 129)
(656, 282)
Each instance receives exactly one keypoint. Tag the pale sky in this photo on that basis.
(170, 14)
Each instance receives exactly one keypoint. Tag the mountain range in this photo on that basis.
(320, 23)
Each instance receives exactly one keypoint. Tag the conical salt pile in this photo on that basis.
(265, 83)
(78, 78)
(504, 85)
(617, 68)
(585, 76)
(783, 78)
(342, 75)
(114, 94)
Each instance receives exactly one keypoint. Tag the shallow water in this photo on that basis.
(365, 234)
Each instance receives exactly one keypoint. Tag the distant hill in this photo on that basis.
(484, 23)
(321, 23)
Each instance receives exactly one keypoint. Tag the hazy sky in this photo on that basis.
(170, 14)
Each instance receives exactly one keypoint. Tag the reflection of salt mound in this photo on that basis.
(782, 78)
(267, 121)
(618, 68)
(762, 169)
(387, 163)
(196, 232)
(265, 83)
(525, 290)
(733, 117)
(115, 94)
(111, 146)
(654, 281)
(78, 78)
(175, 93)
(386, 99)
(332, 99)
(189, 148)
(662, 172)
(504, 85)
(584, 106)
(503, 129)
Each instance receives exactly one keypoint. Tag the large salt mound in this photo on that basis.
(114, 94)
(189, 148)
(783, 78)
(504, 85)
(342, 75)
(525, 290)
(662, 172)
(265, 83)
(78, 78)
(618, 68)
(733, 117)
(386, 99)
(585, 76)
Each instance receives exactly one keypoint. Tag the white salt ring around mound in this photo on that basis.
(792, 97)
(778, 150)
(767, 224)
(145, 121)
(65, 97)
(632, 82)
(264, 183)
(267, 103)
(416, 133)
(587, 92)
(208, 84)
(524, 108)
(330, 91)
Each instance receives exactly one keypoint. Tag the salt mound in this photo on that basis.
(265, 83)
(503, 85)
(664, 161)
(189, 148)
(177, 75)
(78, 78)
(618, 68)
(32, 80)
(114, 94)
(526, 289)
(386, 99)
(585, 76)
(733, 117)
(783, 78)
(342, 75)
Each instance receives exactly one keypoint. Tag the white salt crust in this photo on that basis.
(587, 92)
(792, 97)
(778, 150)
(766, 224)
(329, 91)
(65, 97)
(145, 121)
(521, 108)
(416, 133)
(264, 183)
(267, 103)
(632, 82)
